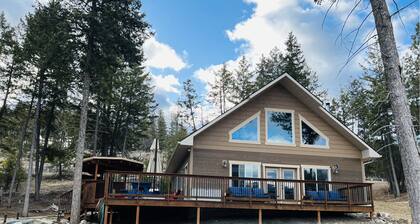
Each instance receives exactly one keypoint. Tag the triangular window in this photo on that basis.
(311, 136)
(248, 131)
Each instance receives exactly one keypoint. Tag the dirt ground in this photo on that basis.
(396, 208)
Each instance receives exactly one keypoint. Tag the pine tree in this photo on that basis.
(221, 88)
(242, 85)
(188, 104)
(295, 65)
(47, 47)
(109, 31)
(411, 74)
(269, 68)
(177, 132)
(11, 66)
(162, 131)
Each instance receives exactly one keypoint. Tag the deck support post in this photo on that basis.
(106, 214)
(198, 215)
(110, 216)
(318, 217)
(371, 215)
(259, 216)
(137, 214)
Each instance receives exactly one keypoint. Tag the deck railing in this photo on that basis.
(158, 186)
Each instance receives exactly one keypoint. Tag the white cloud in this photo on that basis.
(162, 56)
(166, 83)
(272, 20)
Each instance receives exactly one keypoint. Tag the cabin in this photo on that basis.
(279, 149)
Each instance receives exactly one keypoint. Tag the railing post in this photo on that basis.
(348, 196)
(106, 190)
(276, 191)
(301, 193)
(325, 194)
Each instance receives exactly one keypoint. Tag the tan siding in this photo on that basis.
(217, 136)
(209, 162)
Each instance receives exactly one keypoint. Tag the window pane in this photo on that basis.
(279, 127)
(309, 174)
(311, 137)
(322, 175)
(248, 132)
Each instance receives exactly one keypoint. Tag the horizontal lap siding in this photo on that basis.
(210, 162)
(217, 136)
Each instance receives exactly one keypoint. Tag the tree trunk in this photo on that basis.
(43, 151)
(95, 135)
(34, 145)
(77, 178)
(6, 95)
(410, 155)
(20, 153)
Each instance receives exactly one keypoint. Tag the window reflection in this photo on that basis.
(279, 127)
(248, 132)
(311, 137)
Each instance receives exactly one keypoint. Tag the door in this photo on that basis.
(272, 173)
(289, 188)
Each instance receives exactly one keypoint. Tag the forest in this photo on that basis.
(73, 83)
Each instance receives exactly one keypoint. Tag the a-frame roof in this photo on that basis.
(310, 100)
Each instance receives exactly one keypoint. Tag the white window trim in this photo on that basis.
(286, 166)
(237, 127)
(234, 162)
(267, 142)
(327, 146)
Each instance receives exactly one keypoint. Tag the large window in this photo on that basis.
(318, 174)
(279, 127)
(248, 131)
(244, 169)
(310, 136)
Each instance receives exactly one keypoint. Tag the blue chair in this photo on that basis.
(335, 196)
(259, 193)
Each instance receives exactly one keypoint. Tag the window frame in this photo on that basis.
(316, 167)
(302, 144)
(242, 124)
(235, 162)
(267, 142)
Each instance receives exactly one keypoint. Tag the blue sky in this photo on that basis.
(193, 38)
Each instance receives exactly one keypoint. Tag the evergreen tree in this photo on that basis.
(411, 74)
(295, 65)
(242, 85)
(221, 88)
(162, 131)
(188, 104)
(110, 31)
(177, 132)
(48, 49)
(11, 65)
(269, 68)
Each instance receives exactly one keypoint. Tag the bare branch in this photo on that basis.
(345, 21)
(326, 13)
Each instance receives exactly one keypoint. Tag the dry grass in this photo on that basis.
(398, 208)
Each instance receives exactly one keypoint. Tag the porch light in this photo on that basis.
(335, 169)
(224, 163)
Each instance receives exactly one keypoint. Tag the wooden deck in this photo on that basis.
(197, 191)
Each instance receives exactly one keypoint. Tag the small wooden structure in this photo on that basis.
(93, 185)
